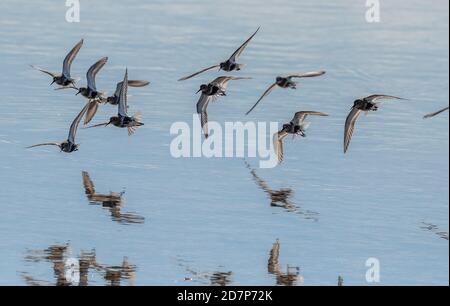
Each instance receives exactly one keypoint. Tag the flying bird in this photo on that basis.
(114, 99)
(228, 65)
(64, 79)
(297, 126)
(90, 92)
(366, 104)
(69, 145)
(122, 120)
(431, 115)
(210, 92)
(286, 82)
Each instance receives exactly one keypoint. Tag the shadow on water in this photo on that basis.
(77, 271)
(434, 229)
(292, 275)
(281, 198)
(112, 201)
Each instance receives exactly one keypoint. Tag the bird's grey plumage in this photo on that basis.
(64, 79)
(265, 94)
(431, 115)
(377, 98)
(222, 81)
(76, 122)
(234, 57)
(350, 126)
(278, 144)
(91, 111)
(202, 106)
(369, 103)
(44, 71)
(231, 60)
(310, 74)
(199, 72)
(288, 81)
(123, 99)
(72, 133)
(300, 117)
(92, 72)
(70, 58)
(131, 83)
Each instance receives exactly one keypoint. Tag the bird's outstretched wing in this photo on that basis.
(92, 72)
(350, 126)
(70, 58)
(310, 74)
(91, 111)
(44, 71)
(300, 117)
(376, 98)
(45, 144)
(222, 81)
(241, 49)
(266, 93)
(131, 83)
(278, 144)
(123, 98)
(76, 123)
(197, 73)
(202, 106)
(89, 188)
(435, 113)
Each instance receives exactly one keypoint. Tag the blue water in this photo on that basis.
(202, 216)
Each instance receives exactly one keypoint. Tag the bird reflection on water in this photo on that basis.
(216, 278)
(434, 229)
(113, 201)
(85, 273)
(292, 276)
(281, 198)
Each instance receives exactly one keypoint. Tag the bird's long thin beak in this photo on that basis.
(53, 82)
(198, 91)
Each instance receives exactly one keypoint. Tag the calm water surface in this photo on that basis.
(224, 221)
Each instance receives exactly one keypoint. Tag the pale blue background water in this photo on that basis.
(210, 213)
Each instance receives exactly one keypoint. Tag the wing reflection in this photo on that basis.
(281, 198)
(112, 201)
(77, 271)
(434, 229)
(292, 276)
(216, 278)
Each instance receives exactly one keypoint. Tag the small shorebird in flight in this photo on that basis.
(286, 82)
(210, 92)
(114, 99)
(122, 120)
(366, 104)
(228, 65)
(90, 92)
(431, 115)
(297, 126)
(64, 79)
(69, 145)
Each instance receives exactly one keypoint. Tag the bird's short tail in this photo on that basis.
(137, 123)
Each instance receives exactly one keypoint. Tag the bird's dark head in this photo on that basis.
(279, 79)
(82, 91)
(223, 65)
(287, 127)
(203, 88)
(358, 102)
